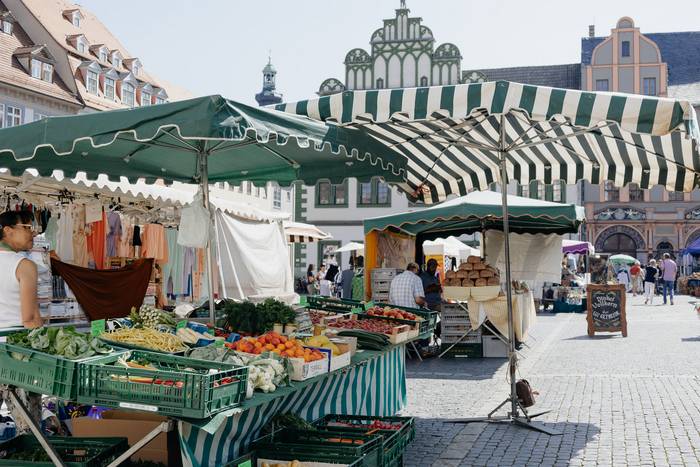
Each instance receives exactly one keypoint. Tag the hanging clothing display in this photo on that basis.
(125, 247)
(64, 235)
(155, 245)
(114, 223)
(96, 240)
(136, 236)
(80, 250)
(110, 293)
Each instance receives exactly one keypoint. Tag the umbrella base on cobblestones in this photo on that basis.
(517, 420)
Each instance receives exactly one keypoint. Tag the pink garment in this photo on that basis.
(154, 243)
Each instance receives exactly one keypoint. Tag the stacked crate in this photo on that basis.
(454, 324)
(381, 283)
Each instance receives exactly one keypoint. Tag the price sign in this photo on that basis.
(302, 300)
(181, 324)
(97, 327)
(247, 463)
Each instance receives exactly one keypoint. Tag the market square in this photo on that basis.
(451, 252)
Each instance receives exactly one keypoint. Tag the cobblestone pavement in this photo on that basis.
(618, 401)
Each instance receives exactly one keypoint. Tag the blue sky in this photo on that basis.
(220, 46)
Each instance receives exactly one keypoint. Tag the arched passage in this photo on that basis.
(620, 239)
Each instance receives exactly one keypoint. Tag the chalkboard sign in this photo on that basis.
(606, 309)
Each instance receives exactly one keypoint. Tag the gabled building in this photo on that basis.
(57, 58)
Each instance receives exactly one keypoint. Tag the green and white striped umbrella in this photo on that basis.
(450, 135)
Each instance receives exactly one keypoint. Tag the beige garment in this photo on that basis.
(80, 251)
(124, 247)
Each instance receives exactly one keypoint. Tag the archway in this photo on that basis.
(665, 247)
(619, 243)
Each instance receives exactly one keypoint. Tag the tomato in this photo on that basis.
(168, 383)
(157, 381)
(180, 384)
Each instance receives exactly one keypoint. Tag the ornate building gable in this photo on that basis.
(403, 54)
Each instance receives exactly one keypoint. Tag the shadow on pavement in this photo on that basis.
(495, 444)
(592, 338)
(454, 368)
(690, 339)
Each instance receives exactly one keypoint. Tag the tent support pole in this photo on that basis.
(514, 417)
(204, 173)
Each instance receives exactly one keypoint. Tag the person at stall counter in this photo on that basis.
(431, 285)
(19, 305)
(407, 289)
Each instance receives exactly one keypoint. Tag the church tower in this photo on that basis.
(269, 94)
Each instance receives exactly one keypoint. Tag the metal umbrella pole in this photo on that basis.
(204, 174)
(514, 416)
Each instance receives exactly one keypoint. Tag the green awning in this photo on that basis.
(480, 211)
(163, 141)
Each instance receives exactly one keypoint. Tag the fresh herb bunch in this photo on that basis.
(248, 318)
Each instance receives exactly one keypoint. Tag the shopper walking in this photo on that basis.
(623, 277)
(650, 274)
(636, 274)
(669, 270)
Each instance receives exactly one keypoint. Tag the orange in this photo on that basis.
(283, 339)
(269, 346)
(281, 347)
(258, 345)
(289, 344)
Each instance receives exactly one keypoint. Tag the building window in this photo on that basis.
(145, 98)
(675, 196)
(117, 62)
(160, 100)
(82, 47)
(277, 198)
(92, 82)
(373, 193)
(524, 191)
(135, 69)
(128, 94)
(649, 86)
(38, 116)
(380, 83)
(602, 85)
(76, 19)
(103, 55)
(47, 72)
(636, 193)
(13, 116)
(423, 80)
(328, 194)
(6, 27)
(109, 88)
(612, 193)
(625, 48)
(36, 68)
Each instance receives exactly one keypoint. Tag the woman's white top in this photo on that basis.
(10, 309)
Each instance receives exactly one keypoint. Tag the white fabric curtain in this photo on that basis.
(253, 258)
(534, 259)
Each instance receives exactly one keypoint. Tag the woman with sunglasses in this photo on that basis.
(18, 274)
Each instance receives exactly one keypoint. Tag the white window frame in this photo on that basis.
(160, 100)
(76, 19)
(13, 116)
(143, 93)
(103, 55)
(47, 72)
(81, 45)
(277, 198)
(110, 88)
(92, 81)
(7, 27)
(131, 93)
(35, 66)
(135, 68)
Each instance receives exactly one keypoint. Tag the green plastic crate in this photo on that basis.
(199, 396)
(394, 441)
(243, 461)
(338, 305)
(314, 443)
(39, 372)
(429, 318)
(75, 452)
(302, 456)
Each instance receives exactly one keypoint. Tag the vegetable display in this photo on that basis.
(324, 343)
(65, 342)
(276, 343)
(396, 313)
(150, 317)
(265, 372)
(367, 340)
(370, 325)
(146, 338)
(248, 318)
(191, 336)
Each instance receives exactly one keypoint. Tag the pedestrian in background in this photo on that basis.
(669, 270)
(623, 277)
(310, 280)
(650, 274)
(636, 274)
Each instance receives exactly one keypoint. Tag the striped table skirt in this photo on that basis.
(372, 386)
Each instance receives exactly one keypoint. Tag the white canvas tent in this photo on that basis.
(450, 246)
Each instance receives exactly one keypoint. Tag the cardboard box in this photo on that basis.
(133, 425)
(306, 370)
(337, 362)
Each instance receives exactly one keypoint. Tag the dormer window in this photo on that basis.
(74, 16)
(128, 94)
(92, 81)
(145, 98)
(79, 42)
(76, 19)
(109, 88)
(117, 59)
(82, 45)
(6, 26)
(42, 70)
(103, 55)
(134, 65)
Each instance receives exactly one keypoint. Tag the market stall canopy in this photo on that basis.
(577, 247)
(298, 232)
(481, 210)
(352, 246)
(168, 141)
(452, 247)
(693, 248)
(31, 186)
(622, 259)
(451, 139)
